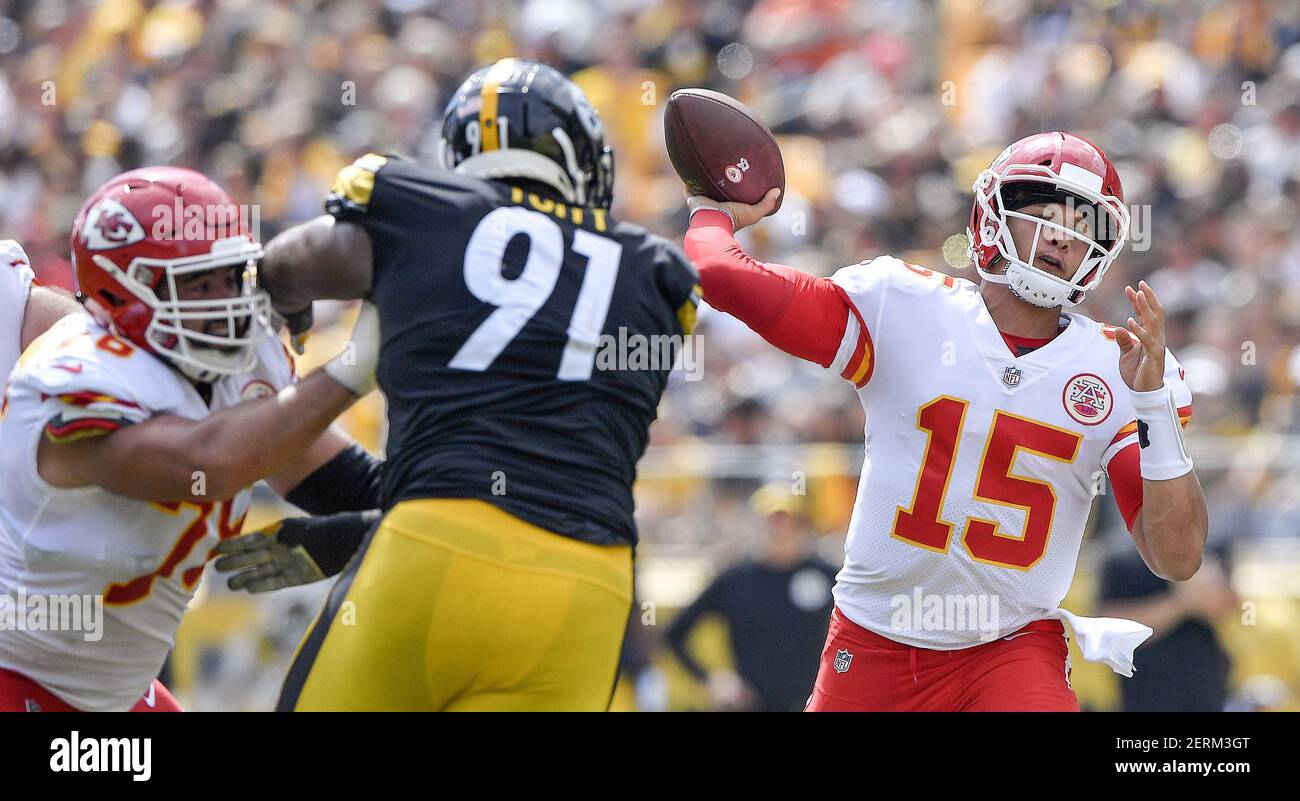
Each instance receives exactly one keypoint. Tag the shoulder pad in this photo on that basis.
(353, 186)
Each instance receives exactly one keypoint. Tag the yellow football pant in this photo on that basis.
(458, 605)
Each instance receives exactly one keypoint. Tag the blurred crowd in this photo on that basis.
(885, 111)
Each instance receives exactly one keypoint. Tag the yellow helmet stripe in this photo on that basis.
(487, 113)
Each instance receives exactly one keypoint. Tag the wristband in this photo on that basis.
(1160, 439)
(696, 203)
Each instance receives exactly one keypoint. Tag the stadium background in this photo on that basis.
(885, 112)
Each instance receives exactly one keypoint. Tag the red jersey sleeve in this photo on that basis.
(801, 314)
(1125, 471)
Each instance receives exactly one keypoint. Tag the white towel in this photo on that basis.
(1109, 640)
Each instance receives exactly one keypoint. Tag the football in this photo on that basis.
(720, 149)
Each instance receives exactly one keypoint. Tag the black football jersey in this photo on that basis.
(525, 343)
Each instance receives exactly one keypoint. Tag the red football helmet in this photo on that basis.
(139, 233)
(1050, 167)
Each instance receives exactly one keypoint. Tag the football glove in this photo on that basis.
(264, 562)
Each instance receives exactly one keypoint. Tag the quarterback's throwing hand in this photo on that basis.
(742, 215)
(1142, 341)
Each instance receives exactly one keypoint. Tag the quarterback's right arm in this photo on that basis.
(801, 314)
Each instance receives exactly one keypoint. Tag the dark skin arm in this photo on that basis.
(169, 458)
(319, 259)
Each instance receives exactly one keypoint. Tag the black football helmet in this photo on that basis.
(523, 119)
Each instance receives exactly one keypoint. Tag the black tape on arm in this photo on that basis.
(350, 482)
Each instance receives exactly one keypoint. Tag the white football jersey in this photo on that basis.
(144, 559)
(981, 466)
(15, 285)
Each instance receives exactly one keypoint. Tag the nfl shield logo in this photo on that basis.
(843, 661)
(1011, 377)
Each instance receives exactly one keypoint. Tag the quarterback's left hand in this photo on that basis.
(1142, 344)
(265, 563)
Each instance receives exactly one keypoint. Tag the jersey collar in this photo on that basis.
(1014, 373)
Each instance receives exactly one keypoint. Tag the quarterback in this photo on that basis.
(991, 410)
(130, 438)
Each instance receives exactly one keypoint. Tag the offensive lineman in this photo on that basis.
(130, 437)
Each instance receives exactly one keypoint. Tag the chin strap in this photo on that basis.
(1019, 286)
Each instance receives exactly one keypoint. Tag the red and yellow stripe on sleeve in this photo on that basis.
(63, 429)
(81, 421)
(1127, 430)
(863, 361)
(85, 399)
(1130, 428)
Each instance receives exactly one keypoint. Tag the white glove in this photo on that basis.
(354, 368)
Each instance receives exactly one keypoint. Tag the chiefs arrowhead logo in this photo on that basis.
(109, 225)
